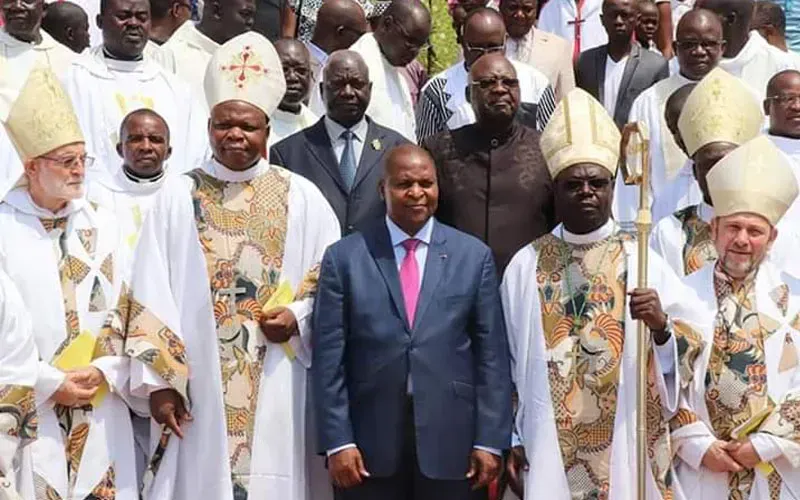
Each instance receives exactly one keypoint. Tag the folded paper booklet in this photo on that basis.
(78, 354)
(752, 425)
(282, 297)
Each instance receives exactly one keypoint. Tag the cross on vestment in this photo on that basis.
(232, 293)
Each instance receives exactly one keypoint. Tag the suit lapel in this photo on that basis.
(600, 69)
(380, 246)
(627, 75)
(321, 148)
(435, 265)
(370, 155)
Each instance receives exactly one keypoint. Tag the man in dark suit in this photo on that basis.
(343, 152)
(410, 372)
(616, 73)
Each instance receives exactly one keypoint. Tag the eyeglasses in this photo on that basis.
(408, 40)
(480, 51)
(690, 45)
(785, 99)
(490, 83)
(71, 162)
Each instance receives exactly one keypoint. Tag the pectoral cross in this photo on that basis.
(232, 293)
(576, 46)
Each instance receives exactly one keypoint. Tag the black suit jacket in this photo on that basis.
(643, 69)
(310, 154)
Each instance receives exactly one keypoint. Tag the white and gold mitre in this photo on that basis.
(246, 68)
(756, 178)
(721, 108)
(580, 131)
(41, 118)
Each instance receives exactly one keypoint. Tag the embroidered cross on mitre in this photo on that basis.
(245, 68)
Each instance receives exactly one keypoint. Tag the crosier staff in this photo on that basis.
(635, 141)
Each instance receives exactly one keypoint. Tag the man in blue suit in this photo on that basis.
(411, 371)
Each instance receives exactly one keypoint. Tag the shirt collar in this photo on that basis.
(317, 53)
(398, 236)
(335, 130)
(598, 234)
(223, 173)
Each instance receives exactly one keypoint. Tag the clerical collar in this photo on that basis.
(138, 180)
(598, 234)
(223, 173)
(109, 55)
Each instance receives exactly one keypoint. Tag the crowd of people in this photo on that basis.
(237, 269)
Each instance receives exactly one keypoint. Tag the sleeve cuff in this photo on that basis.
(48, 381)
(336, 450)
(694, 449)
(766, 447)
(667, 355)
(493, 451)
(300, 344)
(116, 371)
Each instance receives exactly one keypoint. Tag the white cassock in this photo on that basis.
(682, 191)
(559, 17)
(756, 63)
(17, 58)
(535, 422)
(18, 370)
(189, 52)
(666, 158)
(155, 53)
(103, 91)
(91, 275)
(282, 124)
(690, 441)
(171, 284)
(391, 104)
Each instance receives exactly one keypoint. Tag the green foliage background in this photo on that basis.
(444, 51)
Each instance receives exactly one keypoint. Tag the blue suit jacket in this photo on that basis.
(456, 353)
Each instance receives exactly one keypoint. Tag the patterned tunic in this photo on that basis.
(699, 248)
(582, 291)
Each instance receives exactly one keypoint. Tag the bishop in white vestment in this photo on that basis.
(61, 251)
(572, 336)
(737, 434)
(225, 272)
(18, 370)
(720, 113)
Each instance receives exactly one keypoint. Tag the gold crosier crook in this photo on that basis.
(635, 143)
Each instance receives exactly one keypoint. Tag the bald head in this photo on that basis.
(339, 24)
(296, 71)
(484, 31)
(345, 59)
(737, 30)
(403, 156)
(346, 89)
(494, 91)
(699, 28)
(403, 30)
(68, 24)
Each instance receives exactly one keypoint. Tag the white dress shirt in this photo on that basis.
(397, 236)
(612, 81)
(335, 130)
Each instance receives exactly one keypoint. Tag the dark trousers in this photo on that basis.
(409, 483)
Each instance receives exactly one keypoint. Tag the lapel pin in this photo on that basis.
(376, 144)
(443, 256)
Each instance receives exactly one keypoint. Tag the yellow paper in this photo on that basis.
(282, 297)
(752, 425)
(78, 354)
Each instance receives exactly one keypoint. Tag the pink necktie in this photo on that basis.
(409, 279)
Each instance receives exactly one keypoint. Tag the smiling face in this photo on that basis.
(23, 18)
(783, 104)
(742, 241)
(410, 188)
(583, 196)
(144, 144)
(619, 19)
(126, 27)
(238, 134)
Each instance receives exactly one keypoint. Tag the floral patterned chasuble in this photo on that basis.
(588, 282)
(242, 230)
(699, 248)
